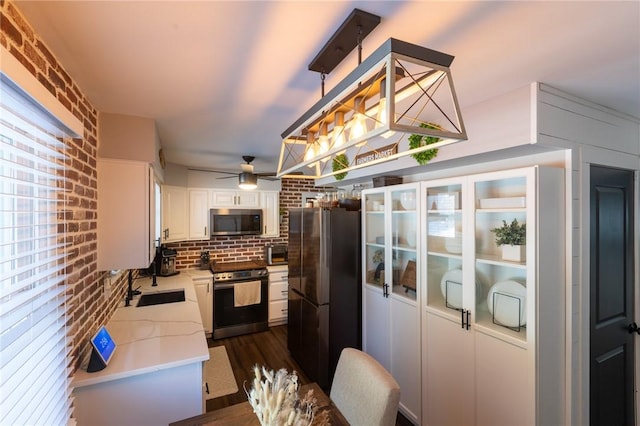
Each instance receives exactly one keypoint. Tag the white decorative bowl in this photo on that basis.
(454, 245)
(408, 200)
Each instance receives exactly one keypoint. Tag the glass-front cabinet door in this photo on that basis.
(444, 242)
(404, 240)
(391, 239)
(374, 233)
(504, 241)
(391, 317)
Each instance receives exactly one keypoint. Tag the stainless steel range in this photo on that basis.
(240, 298)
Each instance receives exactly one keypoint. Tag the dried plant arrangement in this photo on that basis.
(274, 399)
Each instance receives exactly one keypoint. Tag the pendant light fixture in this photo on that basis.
(247, 180)
(401, 89)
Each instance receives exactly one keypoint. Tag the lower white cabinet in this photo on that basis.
(392, 337)
(204, 294)
(278, 288)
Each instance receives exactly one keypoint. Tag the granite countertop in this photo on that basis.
(153, 338)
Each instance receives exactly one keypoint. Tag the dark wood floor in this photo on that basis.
(268, 348)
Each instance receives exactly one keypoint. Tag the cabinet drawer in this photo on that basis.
(278, 291)
(278, 275)
(278, 310)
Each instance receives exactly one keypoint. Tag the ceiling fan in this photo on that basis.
(247, 179)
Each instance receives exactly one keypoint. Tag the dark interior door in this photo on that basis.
(611, 294)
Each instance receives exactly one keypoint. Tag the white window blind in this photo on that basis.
(34, 353)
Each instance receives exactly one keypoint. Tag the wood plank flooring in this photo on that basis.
(267, 348)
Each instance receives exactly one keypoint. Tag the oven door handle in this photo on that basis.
(230, 285)
(222, 286)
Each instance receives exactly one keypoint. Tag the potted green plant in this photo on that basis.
(512, 237)
(340, 161)
(417, 141)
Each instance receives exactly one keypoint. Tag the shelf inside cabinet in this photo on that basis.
(504, 210)
(485, 324)
(498, 261)
(444, 254)
(404, 247)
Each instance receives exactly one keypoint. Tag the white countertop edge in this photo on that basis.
(82, 382)
(170, 315)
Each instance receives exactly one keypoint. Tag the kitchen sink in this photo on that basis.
(162, 297)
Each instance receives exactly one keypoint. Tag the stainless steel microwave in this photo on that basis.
(235, 222)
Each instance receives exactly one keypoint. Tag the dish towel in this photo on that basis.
(245, 294)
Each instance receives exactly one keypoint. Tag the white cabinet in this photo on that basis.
(198, 214)
(493, 334)
(185, 211)
(270, 204)
(278, 288)
(391, 317)
(126, 214)
(204, 294)
(175, 221)
(234, 199)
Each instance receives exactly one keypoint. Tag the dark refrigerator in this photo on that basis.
(325, 295)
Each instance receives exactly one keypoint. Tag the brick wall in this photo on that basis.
(249, 247)
(86, 308)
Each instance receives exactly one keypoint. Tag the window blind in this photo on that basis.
(34, 353)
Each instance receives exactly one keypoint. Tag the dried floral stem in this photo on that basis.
(274, 399)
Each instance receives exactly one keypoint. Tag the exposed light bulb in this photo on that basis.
(338, 130)
(323, 142)
(358, 121)
(311, 150)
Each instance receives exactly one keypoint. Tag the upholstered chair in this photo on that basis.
(364, 392)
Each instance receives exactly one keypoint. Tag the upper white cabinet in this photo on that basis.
(175, 220)
(270, 204)
(493, 330)
(185, 211)
(391, 317)
(126, 213)
(198, 214)
(234, 199)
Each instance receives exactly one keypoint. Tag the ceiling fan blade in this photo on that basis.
(212, 171)
(235, 175)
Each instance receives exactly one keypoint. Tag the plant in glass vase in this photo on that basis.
(512, 238)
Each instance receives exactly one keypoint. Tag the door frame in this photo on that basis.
(581, 378)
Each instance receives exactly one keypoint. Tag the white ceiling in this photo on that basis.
(224, 79)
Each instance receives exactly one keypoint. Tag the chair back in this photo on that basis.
(364, 392)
